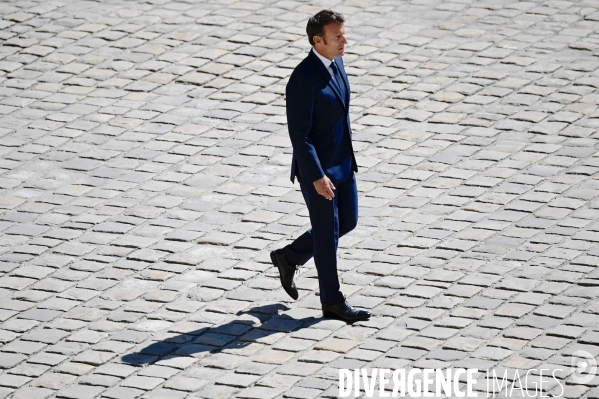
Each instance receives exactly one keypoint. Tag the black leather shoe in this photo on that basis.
(286, 272)
(344, 311)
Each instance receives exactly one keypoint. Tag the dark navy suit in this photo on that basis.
(320, 132)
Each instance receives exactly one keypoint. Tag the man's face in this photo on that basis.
(333, 43)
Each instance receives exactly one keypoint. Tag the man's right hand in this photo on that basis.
(325, 187)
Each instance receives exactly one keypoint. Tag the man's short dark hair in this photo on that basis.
(317, 23)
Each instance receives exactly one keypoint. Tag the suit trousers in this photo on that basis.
(330, 219)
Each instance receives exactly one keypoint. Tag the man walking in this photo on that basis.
(317, 98)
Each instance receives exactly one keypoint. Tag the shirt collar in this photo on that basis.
(327, 63)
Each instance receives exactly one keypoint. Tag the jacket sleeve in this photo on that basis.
(300, 105)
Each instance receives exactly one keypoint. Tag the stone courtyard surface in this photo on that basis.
(144, 163)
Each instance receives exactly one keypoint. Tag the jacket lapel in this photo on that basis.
(327, 76)
(345, 80)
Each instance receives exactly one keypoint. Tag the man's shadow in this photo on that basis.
(236, 334)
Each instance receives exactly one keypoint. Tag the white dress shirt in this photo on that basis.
(327, 63)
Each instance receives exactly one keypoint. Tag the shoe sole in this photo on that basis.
(330, 315)
(274, 262)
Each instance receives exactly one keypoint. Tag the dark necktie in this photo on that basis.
(339, 80)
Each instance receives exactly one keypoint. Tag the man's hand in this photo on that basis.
(325, 187)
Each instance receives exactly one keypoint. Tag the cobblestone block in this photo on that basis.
(80, 391)
(10, 360)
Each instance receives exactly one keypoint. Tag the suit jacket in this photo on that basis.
(317, 120)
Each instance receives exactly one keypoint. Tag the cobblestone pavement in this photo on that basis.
(144, 164)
